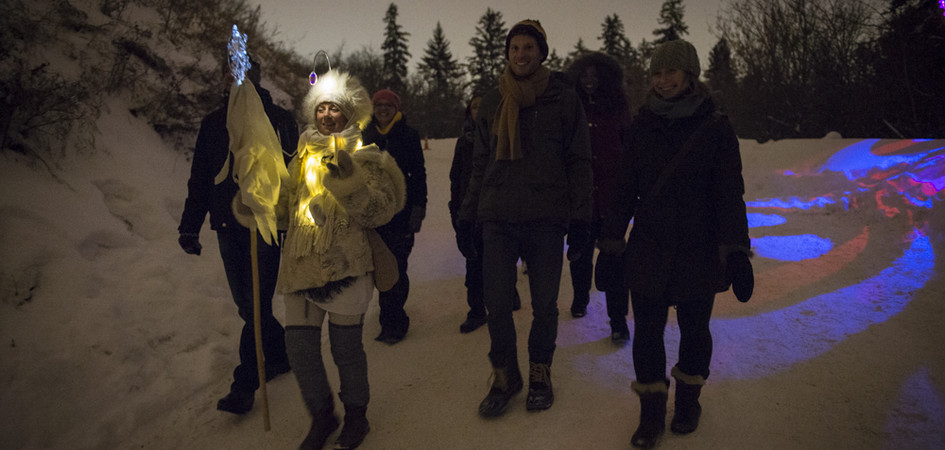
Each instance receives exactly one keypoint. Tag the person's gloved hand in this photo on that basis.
(579, 235)
(416, 218)
(738, 271)
(340, 166)
(610, 246)
(466, 238)
(190, 242)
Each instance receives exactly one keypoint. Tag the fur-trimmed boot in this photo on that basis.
(304, 346)
(652, 413)
(347, 350)
(505, 384)
(688, 409)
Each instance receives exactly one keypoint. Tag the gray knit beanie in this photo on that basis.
(678, 54)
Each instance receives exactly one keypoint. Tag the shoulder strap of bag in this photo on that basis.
(673, 163)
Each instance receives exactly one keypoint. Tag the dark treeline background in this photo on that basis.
(780, 68)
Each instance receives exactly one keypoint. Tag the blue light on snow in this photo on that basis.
(791, 248)
(791, 203)
(764, 220)
(857, 159)
(757, 346)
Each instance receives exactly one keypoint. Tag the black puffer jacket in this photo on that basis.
(553, 181)
(211, 152)
(677, 236)
(403, 143)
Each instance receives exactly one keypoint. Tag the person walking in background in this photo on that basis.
(211, 153)
(460, 171)
(336, 194)
(389, 131)
(598, 81)
(683, 187)
(531, 180)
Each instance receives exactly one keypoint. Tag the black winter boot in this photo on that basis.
(355, 429)
(652, 413)
(540, 394)
(687, 412)
(506, 383)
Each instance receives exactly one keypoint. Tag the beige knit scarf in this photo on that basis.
(516, 94)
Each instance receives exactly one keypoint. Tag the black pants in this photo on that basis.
(582, 272)
(392, 313)
(695, 339)
(541, 246)
(236, 253)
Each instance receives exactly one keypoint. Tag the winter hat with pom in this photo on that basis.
(343, 90)
(678, 54)
(531, 28)
(389, 95)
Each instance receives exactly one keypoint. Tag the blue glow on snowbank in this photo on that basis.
(791, 248)
(764, 220)
(757, 346)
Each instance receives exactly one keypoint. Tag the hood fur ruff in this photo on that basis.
(345, 91)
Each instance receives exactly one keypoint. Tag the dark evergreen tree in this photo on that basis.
(438, 102)
(395, 51)
(579, 50)
(613, 40)
(721, 74)
(671, 18)
(554, 62)
(488, 60)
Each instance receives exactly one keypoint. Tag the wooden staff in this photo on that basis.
(257, 325)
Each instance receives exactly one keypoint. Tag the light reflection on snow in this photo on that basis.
(755, 346)
(791, 248)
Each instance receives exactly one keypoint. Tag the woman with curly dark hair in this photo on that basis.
(598, 80)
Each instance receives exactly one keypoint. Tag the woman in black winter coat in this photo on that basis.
(598, 80)
(683, 188)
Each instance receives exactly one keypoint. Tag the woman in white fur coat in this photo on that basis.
(336, 194)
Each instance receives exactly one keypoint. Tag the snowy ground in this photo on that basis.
(112, 337)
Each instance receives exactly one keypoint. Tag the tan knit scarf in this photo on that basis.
(516, 94)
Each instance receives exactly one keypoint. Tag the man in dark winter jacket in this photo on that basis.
(205, 196)
(531, 184)
(391, 133)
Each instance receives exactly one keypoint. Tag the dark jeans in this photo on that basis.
(541, 246)
(582, 271)
(695, 339)
(392, 313)
(473, 283)
(236, 253)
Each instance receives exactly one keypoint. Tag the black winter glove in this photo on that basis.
(579, 235)
(738, 271)
(466, 239)
(190, 243)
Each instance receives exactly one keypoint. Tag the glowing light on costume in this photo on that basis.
(239, 59)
